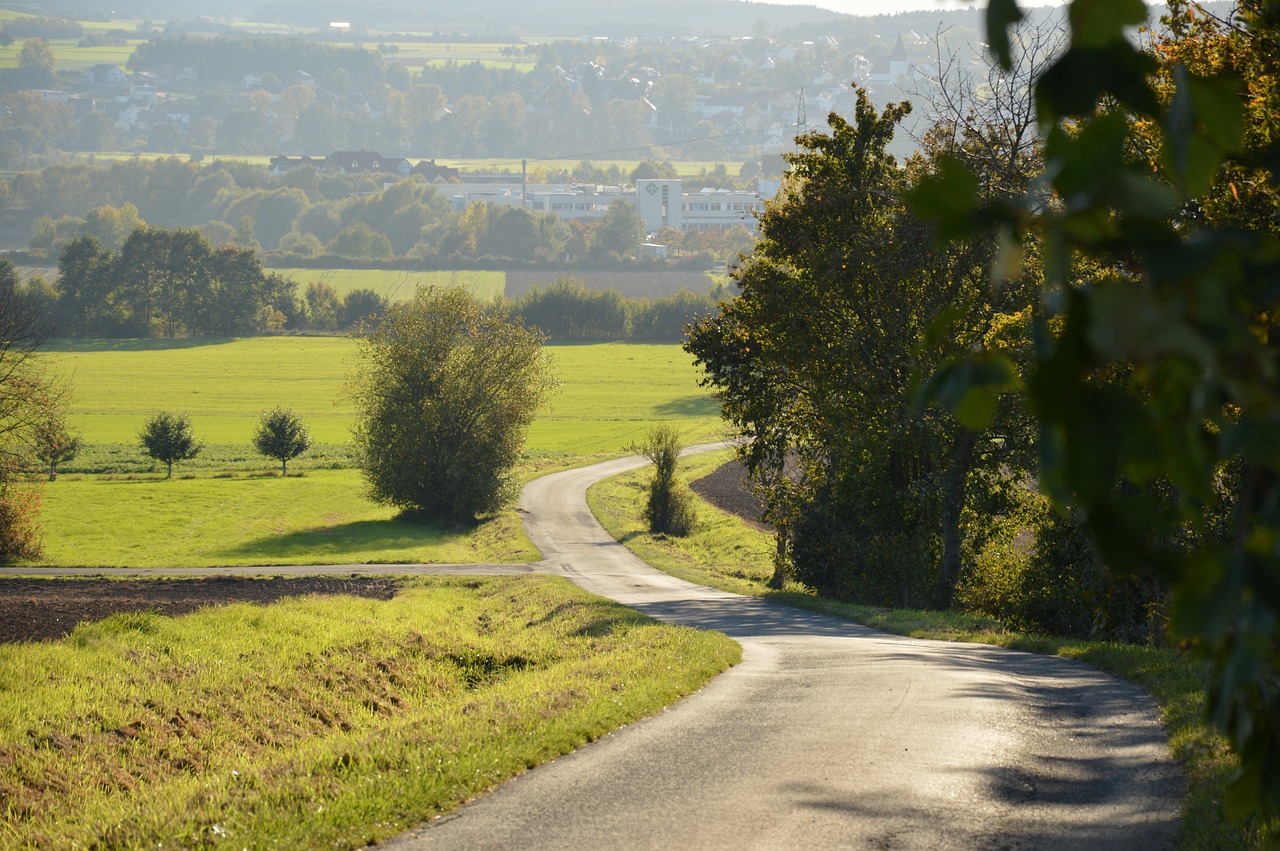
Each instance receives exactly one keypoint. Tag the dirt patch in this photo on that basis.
(43, 609)
(726, 488)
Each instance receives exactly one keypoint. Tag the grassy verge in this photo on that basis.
(319, 518)
(319, 721)
(724, 552)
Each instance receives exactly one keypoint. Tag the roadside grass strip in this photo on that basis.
(727, 553)
(320, 721)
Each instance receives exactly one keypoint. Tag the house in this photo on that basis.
(105, 75)
(347, 162)
(371, 162)
(435, 173)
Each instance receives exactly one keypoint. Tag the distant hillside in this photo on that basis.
(557, 18)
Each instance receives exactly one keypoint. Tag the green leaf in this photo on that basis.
(1078, 81)
(948, 199)
(1095, 23)
(1205, 122)
(1219, 110)
(1002, 15)
(971, 387)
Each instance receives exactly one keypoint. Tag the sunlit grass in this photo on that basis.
(725, 552)
(400, 285)
(320, 518)
(325, 722)
(610, 395)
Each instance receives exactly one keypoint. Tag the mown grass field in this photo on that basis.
(725, 552)
(611, 393)
(399, 285)
(112, 507)
(321, 721)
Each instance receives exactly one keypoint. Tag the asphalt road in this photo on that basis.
(829, 735)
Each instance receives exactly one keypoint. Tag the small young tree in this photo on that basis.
(670, 507)
(167, 438)
(54, 443)
(281, 435)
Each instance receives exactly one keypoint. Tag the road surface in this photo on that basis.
(829, 735)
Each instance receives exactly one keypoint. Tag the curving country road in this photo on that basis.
(829, 735)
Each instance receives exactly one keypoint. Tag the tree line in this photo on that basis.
(328, 217)
(174, 283)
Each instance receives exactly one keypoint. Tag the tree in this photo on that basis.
(361, 242)
(669, 508)
(1153, 383)
(281, 435)
(27, 394)
(36, 55)
(444, 393)
(54, 442)
(620, 230)
(167, 437)
(362, 307)
(322, 306)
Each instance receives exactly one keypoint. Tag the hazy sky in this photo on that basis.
(888, 7)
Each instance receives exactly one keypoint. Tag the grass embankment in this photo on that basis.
(321, 721)
(725, 552)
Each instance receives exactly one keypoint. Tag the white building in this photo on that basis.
(660, 203)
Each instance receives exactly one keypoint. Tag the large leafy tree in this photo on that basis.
(843, 307)
(445, 393)
(1155, 345)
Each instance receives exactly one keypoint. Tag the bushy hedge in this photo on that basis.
(569, 310)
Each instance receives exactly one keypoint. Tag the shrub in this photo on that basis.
(19, 505)
(670, 507)
(568, 310)
(445, 393)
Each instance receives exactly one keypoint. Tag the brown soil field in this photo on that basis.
(43, 609)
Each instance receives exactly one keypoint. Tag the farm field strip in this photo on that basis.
(225, 385)
(397, 285)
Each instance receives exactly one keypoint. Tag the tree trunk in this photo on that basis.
(169, 466)
(952, 506)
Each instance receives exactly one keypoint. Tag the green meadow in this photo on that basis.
(610, 393)
(111, 507)
(399, 285)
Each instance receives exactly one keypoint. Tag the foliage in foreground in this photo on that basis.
(1154, 349)
(728, 553)
(324, 721)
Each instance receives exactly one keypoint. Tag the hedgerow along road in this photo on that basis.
(829, 734)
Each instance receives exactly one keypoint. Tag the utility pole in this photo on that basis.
(802, 120)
